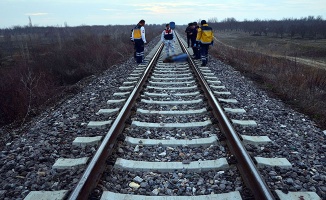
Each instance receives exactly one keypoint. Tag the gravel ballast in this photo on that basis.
(294, 136)
(26, 161)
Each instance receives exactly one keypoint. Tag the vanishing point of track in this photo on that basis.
(244, 163)
(172, 139)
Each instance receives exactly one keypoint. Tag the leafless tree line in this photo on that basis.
(305, 28)
(40, 64)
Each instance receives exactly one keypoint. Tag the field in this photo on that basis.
(39, 66)
(290, 69)
(306, 51)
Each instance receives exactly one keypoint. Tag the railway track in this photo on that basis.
(171, 137)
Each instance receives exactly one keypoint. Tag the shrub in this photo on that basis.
(300, 85)
(41, 62)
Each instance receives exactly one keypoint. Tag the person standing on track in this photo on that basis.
(196, 46)
(139, 40)
(205, 37)
(188, 32)
(168, 38)
(193, 37)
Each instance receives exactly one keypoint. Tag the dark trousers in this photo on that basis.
(196, 51)
(204, 53)
(139, 47)
(188, 39)
(195, 48)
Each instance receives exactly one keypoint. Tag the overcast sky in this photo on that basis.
(104, 12)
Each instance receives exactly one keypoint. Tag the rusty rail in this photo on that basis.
(246, 166)
(96, 166)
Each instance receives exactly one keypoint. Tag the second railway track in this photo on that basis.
(171, 139)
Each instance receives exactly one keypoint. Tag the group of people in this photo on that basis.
(199, 36)
(139, 39)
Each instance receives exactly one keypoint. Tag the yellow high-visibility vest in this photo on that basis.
(137, 32)
(205, 34)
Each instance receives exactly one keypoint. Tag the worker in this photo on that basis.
(204, 38)
(139, 40)
(195, 48)
(188, 32)
(168, 38)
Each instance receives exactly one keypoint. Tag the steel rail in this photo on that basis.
(96, 166)
(246, 166)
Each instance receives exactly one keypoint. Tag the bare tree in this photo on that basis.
(30, 22)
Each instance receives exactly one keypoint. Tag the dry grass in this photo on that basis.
(46, 66)
(311, 52)
(302, 86)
